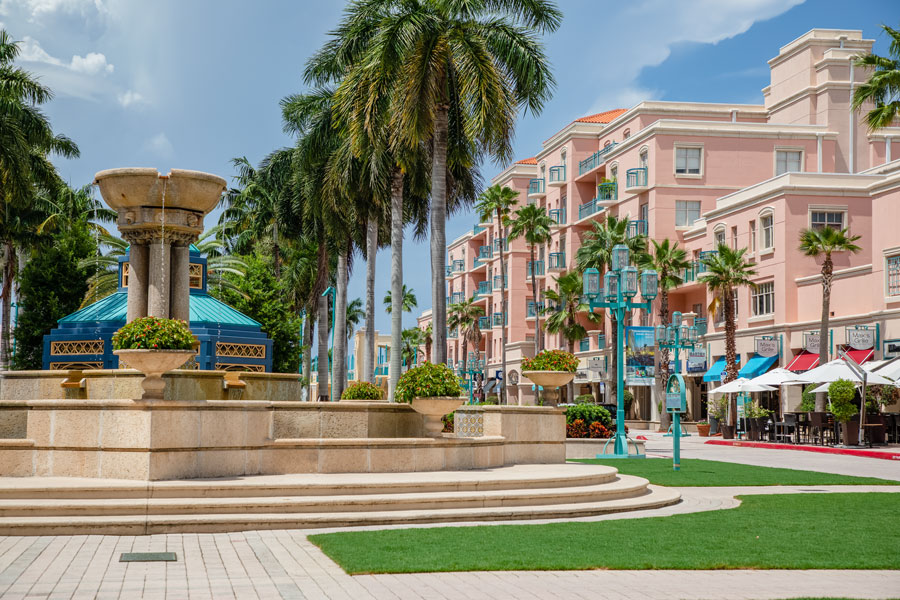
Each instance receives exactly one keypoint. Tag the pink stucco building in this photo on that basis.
(699, 173)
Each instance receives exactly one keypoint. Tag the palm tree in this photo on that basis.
(355, 315)
(823, 243)
(497, 202)
(463, 317)
(454, 76)
(412, 339)
(568, 305)
(883, 86)
(669, 261)
(408, 300)
(427, 340)
(726, 271)
(596, 252)
(66, 206)
(26, 141)
(532, 222)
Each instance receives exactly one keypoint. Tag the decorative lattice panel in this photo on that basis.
(240, 350)
(79, 366)
(468, 424)
(125, 270)
(237, 367)
(76, 347)
(196, 275)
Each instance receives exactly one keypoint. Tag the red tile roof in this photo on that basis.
(604, 117)
(527, 161)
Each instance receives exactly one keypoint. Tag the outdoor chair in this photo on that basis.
(820, 431)
(785, 430)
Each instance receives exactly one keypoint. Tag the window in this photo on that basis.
(820, 219)
(196, 276)
(734, 238)
(125, 274)
(752, 236)
(613, 172)
(893, 275)
(626, 134)
(763, 299)
(687, 161)
(563, 157)
(645, 212)
(787, 161)
(720, 235)
(720, 310)
(767, 224)
(644, 161)
(686, 212)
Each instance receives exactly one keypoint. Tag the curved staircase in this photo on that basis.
(52, 506)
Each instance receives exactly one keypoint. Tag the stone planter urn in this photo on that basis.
(153, 364)
(434, 408)
(550, 381)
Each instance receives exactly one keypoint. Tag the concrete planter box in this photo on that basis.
(591, 447)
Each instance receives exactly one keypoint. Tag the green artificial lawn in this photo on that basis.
(783, 531)
(709, 473)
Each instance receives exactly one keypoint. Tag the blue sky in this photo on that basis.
(192, 84)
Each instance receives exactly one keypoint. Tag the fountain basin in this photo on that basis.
(133, 187)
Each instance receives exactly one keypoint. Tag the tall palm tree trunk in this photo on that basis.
(731, 370)
(537, 314)
(570, 387)
(6, 298)
(276, 251)
(438, 233)
(371, 250)
(827, 279)
(662, 374)
(322, 353)
(339, 358)
(397, 280)
(503, 398)
(307, 344)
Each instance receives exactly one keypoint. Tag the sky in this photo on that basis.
(192, 84)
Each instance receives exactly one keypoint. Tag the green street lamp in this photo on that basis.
(620, 285)
(471, 368)
(676, 336)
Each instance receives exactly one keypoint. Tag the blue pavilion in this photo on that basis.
(229, 340)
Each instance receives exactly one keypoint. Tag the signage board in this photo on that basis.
(811, 342)
(514, 377)
(696, 361)
(640, 355)
(766, 347)
(595, 363)
(676, 401)
(860, 339)
(891, 348)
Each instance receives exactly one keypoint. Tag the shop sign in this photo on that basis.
(696, 362)
(596, 363)
(811, 342)
(676, 401)
(766, 347)
(861, 339)
(891, 348)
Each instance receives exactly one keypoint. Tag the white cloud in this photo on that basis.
(129, 97)
(36, 9)
(93, 63)
(161, 145)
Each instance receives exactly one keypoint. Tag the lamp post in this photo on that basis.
(676, 336)
(473, 366)
(620, 286)
(329, 291)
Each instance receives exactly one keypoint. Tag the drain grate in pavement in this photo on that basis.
(147, 556)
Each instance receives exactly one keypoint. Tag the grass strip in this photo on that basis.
(696, 472)
(783, 531)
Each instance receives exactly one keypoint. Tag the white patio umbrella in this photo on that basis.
(778, 376)
(742, 385)
(839, 369)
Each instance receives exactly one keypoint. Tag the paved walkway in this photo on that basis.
(283, 564)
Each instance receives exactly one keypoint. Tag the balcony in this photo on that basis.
(478, 262)
(608, 193)
(700, 324)
(536, 188)
(636, 228)
(557, 176)
(584, 345)
(594, 160)
(497, 282)
(532, 309)
(499, 319)
(557, 261)
(558, 215)
(458, 266)
(456, 298)
(452, 333)
(588, 209)
(703, 257)
(690, 274)
(485, 252)
(484, 288)
(636, 179)
(538, 268)
(478, 229)
(484, 322)
(496, 245)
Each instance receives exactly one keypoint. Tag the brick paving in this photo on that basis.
(283, 564)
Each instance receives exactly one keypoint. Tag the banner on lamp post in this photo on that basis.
(640, 355)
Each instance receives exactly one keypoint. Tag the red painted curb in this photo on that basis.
(821, 449)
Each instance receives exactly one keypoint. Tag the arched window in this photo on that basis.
(644, 157)
(766, 229)
(626, 134)
(719, 234)
(562, 157)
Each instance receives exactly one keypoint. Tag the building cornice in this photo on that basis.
(514, 170)
(852, 40)
(839, 274)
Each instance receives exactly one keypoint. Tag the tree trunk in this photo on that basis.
(731, 369)
(339, 350)
(276, 251)
(6, 298)
(537, 323)
(827, 278)
(570, 387)
(308, 326)
(438, 233)
(397, 280)
(371, 251)
(503, 397)
(662, 374)
(322, 352)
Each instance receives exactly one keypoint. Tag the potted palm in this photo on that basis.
(840, 396)
(433, 391)
(154, 346)
(550, 369)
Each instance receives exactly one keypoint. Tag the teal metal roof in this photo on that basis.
(204, 309)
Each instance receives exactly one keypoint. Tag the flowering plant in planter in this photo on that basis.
(362, 390)
(551, 360)
(153, 333)
(426, 381)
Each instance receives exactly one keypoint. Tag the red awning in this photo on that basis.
(861, 356)
(804, 362)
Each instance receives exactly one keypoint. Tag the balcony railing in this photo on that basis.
(704, 256)
(538, 266)
(701, 326)
(532, 309)
(536, 186)
(456, 297)
(690, 274)
(485, 252)
(498, 282)
(484, 322)
(584, 345)
(557, 260)
(458, 266)
(636, 228)
(607, 191)
(636, 178)
(478, 229)
(477, 262)
(558, 215)
(484, 288)
(496, 245)
(594, 160)
(588, 209)
(498, 319)
(451, 333)
(558, 174)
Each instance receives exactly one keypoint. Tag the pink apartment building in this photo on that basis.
(700, 174)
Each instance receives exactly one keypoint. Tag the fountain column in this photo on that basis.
(158, 294)
(181, 281)
(137, 278)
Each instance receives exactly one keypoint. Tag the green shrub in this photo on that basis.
(551, 360)
(362, 390)
(152, 333)
(717, 408)
(841, 394)
(589, 413)
(808, 404)
(627, 400)
(584, 398)
(426, 381)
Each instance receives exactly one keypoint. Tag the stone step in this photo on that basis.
(623, 487)
(653, 497)
(316, 484)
